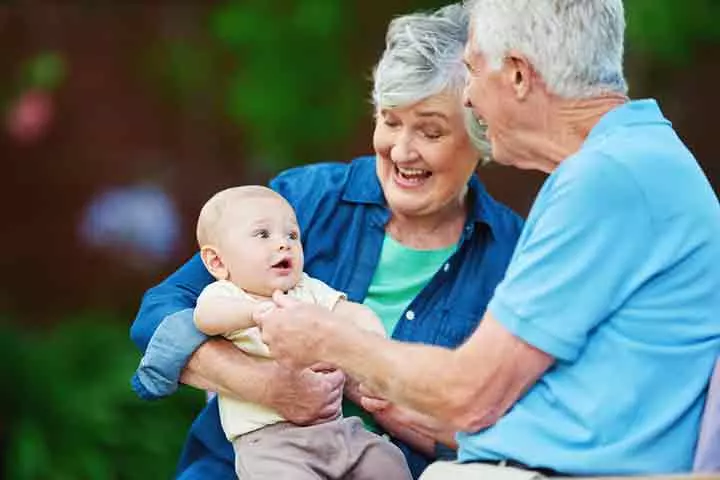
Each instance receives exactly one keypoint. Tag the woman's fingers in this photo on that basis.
(323, 367)
(335, 381)
(303, 396)
(374, 404)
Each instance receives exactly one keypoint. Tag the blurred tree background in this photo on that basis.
(121, 118)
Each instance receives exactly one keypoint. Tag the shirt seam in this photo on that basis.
(531, 333)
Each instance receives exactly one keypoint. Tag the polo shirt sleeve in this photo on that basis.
(580, 257)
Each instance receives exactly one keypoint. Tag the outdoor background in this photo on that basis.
(119, 119)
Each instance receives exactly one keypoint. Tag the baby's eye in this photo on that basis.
(294, 235)
(261, 233)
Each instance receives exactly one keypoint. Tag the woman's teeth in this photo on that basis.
(413, 173)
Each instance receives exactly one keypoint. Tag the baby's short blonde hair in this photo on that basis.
(212, 213)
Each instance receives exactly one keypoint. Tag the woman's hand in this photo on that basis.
(414, 428)
(302, 396)
(352, 390)
(306, 396)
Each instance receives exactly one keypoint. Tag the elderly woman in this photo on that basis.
(410, 231)
(595, 351)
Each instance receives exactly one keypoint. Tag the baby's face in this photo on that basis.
(260, 246)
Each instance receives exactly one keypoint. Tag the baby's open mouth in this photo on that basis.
(283, 264)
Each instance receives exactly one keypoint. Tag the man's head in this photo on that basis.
(526, 56)
(250, 236)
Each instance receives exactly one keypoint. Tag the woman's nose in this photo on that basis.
(403, 150)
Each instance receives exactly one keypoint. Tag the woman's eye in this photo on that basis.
(431, 133)
(262, 233)
(391, 123)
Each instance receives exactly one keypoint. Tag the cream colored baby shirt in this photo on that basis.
(237, 416)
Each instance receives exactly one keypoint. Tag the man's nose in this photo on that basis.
(466, 97)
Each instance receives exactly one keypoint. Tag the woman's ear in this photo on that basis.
(519, 74)
(212, 260)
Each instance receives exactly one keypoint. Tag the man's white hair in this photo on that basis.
(575, 45)
(423, 57)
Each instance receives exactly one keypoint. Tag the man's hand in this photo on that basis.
(306, 396)
(293, 330)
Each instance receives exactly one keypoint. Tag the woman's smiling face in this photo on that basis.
(424, 155)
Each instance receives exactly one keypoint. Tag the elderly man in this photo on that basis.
(594, 354)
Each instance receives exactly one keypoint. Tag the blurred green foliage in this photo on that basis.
(290, 89)
(670, 30)
(70, 413)
(44, 71)
(289, 86)
(183, 68)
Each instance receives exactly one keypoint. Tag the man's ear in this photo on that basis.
(519, 74)
(212, 260)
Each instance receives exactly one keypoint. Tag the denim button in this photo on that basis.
(446, 267)
(410, 315)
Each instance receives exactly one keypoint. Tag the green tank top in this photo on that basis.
(401, 274)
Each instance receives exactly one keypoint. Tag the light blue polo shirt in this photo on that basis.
(617, 276)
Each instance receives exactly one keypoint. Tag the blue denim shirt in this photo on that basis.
(342, 215)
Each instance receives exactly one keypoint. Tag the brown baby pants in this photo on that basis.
(340, 449)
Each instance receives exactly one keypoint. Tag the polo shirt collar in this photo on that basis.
(632, 112)
(363, 186)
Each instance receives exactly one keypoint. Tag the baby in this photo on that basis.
(250, 242)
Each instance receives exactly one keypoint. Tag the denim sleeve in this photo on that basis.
(170, 347)
(165, 332)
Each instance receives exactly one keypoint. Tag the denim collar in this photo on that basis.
(363, 186)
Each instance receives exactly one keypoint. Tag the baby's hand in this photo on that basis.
(263, 308)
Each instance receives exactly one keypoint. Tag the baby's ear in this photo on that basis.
(212, 260)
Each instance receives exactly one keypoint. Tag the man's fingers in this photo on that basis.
(284, 301)
(286, 362)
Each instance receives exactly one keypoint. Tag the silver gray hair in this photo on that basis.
(575, 45)
(423, 57)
